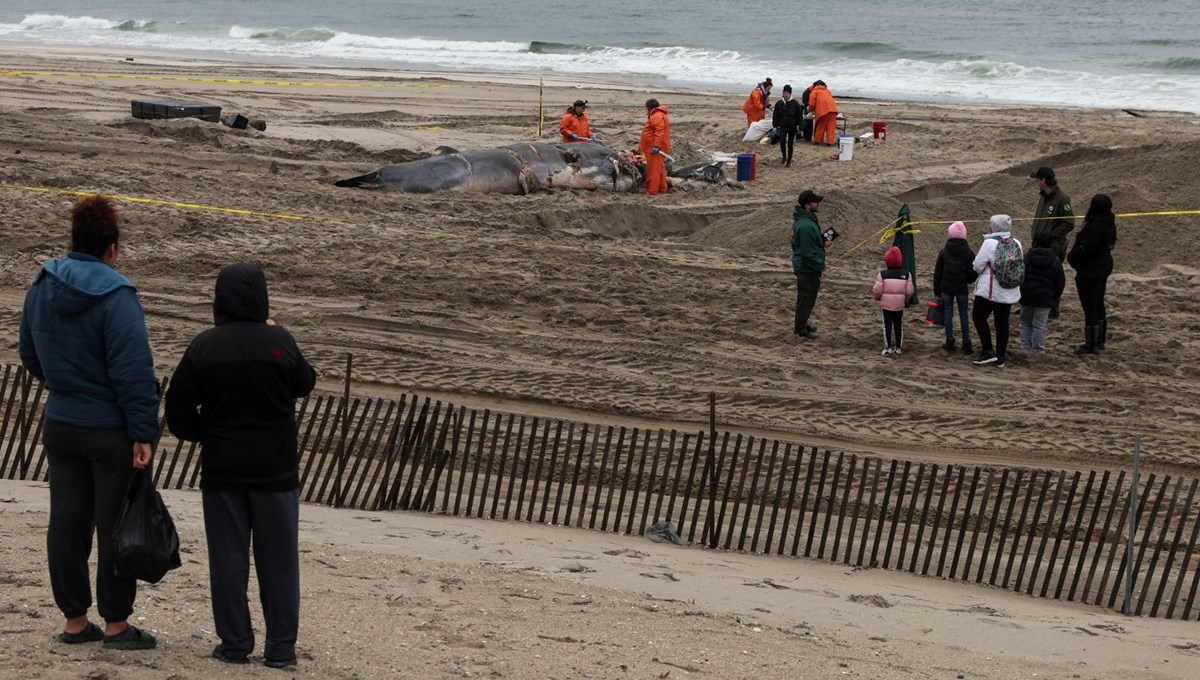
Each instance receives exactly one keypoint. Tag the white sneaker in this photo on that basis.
(887, 352)
(897, 351)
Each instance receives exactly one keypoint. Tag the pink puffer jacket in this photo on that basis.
(893, 287)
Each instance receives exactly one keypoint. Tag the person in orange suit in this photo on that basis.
(574, 126)
(655, 141)
(825, 112)
(757, 102)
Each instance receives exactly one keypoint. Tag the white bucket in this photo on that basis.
(845, 147)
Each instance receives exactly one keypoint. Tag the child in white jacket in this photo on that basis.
(991, 298)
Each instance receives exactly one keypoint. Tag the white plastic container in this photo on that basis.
(845, 147)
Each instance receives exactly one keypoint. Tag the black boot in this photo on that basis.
(1101, 333)
(1089, 341)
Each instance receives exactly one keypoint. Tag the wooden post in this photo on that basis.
(710, 536)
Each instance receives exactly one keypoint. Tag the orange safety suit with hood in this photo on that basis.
(825, 112)
(755, 104)
(655, 141)
(573, 124)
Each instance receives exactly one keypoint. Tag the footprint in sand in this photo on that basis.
(871, 601)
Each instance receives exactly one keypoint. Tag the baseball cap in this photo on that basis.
(809, 196)
(1045, 172)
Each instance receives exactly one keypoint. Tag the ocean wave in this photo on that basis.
(886, 52)
(50, 22)
(297, 35)
(1179, 64)
(136, 25)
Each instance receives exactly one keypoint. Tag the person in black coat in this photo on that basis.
(1043, 285)
(952, 277)
(1091, 257)
(234, 392)
(786, 118)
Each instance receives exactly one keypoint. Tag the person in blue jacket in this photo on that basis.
(84, 336)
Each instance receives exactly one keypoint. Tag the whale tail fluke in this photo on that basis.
(367, 181)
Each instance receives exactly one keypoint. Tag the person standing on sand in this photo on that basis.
(655, 141)
(787, 118)
(83, 335)
(574, 125)
(991, 298)
(1053, 216)
(758, 102)
(234, 392)
(1091, 257)
(952, 276)
(808, 260)
(825, 111)
(893, 286)
(1043, 284)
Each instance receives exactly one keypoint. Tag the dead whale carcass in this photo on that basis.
(512, 169)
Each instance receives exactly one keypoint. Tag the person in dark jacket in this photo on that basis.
(808, 260)
(1043, 284)
(952, 276)
(1054, 215)
(234, 392)
(1091, 257)
(786, 118)
(83, 335)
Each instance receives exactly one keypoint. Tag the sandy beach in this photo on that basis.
(608, 309)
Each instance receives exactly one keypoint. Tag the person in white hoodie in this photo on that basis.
(991, 298)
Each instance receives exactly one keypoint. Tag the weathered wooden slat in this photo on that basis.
(980, 518)
(808, 478)
(1115, 550)
(762, 501)
(1003, 538)
(1050, 523)
(964, 523)
(613, 476)
(791, 499)
(844, 508)
(829, 505)
(587, 482)
(413, 432)
(710, 484)
(675, 478)
(937, 520)
(816, 507)
(866, 536)
(1033, 525)
(779, 500)
(373, 456)
(422, 456)
(946, 542)
(187, 464)
(434, 462)
(883, 513)
(637, 484)
(651, 484)
(464, 469)
(583, 438)
(600, 476)
(908, 520)
(329, 452)
(1148, 578)
(1146, 528)
(351, 450)
(858, 504)
(518, 470)
(453, 455)
(551, 481)
(537, 475)
(479, 458)
(1015, 550)
(1100, 501)
(1083, 504)
(918, 544)
(1060, 531)
(1175, 543)
(696, 456)
(365, 454)
(894, 522)
(498, 471)
(1183, 570)
(734, 460)
(753, 495)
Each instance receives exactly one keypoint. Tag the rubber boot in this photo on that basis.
(1089, 341)
(1102, 334)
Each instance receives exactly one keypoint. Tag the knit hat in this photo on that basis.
(787, 88)
(957, 230)
(1001, 223)
(893, 257)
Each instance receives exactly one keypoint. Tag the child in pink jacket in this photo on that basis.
(893, 287)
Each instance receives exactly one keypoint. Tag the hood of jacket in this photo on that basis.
(661, 108)
(799, 212)
(959, 247)
(1042, 257)
(78, 282)
(241, 294)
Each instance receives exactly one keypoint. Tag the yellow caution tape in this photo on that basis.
(219, 81)
(174, 204)
(1164, 213)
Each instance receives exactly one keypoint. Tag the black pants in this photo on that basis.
(892, 327)
(231, 517)
(787, 141)
(807, 287)
(90, 471)
(1000, 311)
(1091, 297)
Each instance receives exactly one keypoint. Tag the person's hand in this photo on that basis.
(270, 322)
(143, 452)
(574, 136)
(828, 242)
(591, 138)
(655, 150)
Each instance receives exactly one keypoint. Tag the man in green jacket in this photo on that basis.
(808, 259)
(1053, 216)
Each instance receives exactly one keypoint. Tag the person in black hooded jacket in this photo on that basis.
(1091, 257)
(234, 392)
(952, 277)
(787, 117)
(1043, 285)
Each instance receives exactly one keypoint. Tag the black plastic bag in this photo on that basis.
(145, 543)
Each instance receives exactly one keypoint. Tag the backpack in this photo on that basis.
(1008, 263)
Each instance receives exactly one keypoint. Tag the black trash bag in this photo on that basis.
(145, 543)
